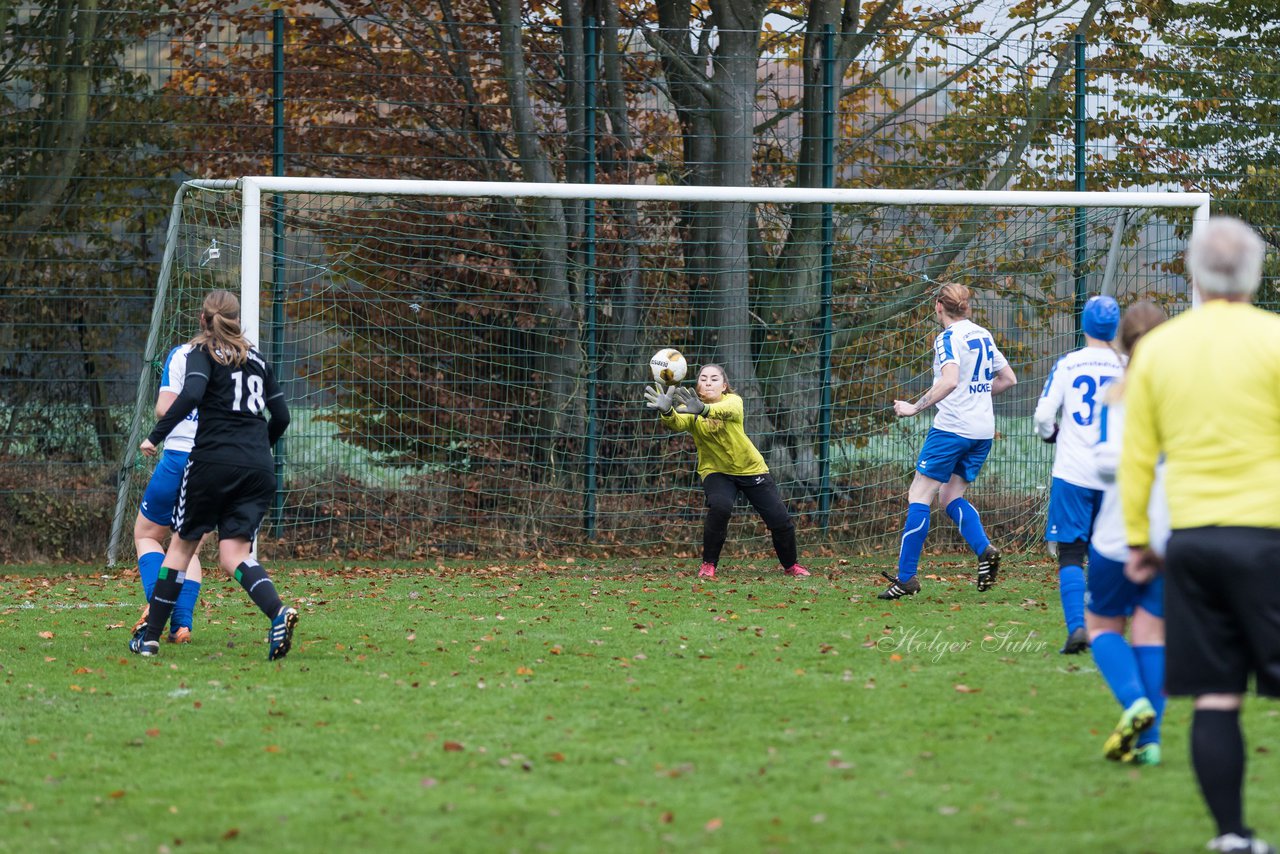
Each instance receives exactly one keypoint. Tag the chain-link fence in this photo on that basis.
(105, 112)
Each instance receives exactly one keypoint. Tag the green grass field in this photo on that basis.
(582, 707)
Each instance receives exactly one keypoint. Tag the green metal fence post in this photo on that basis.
(277, 240)
(589, 283)
(1081, 286)
(828, 238)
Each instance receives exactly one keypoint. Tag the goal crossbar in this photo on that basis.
(776, 195)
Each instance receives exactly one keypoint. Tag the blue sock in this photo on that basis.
(1151, 666)
(965, 515)
(1071, 589)
(149, 570)
(1119, 666)
(184, 610)
(914, 533)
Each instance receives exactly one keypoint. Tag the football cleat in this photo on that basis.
(796, 570)
(181, 634)
(1138, 717)
(280, 638)
(142, 620)
(707, 570)
(988, 568)
(1143, 754)
(1077, 642)
(139, 645)
(897, 589)
(1234, 843)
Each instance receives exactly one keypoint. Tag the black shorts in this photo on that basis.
(721, 491)
(231, 499)
(1222, 611)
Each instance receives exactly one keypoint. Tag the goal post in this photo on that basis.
(433, 338)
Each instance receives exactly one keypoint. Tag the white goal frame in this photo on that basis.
(252, 189)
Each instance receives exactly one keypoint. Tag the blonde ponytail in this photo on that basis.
(220, 332)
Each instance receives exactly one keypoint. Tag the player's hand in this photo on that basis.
(904, 408)
(688, 402)
(656, 398)
(1052, 438)
(1142, 565)
(147, 448)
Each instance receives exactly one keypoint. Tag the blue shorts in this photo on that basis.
(1072, 510)
(162, 489)
(945, 454)
(1109, 594)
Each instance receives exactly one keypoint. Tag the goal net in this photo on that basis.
(465, 362)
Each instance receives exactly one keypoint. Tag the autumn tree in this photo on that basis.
(498, 91)
(714, 86)
(75, 230)
(1199, 105)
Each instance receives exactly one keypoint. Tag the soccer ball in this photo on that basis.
(668, 366)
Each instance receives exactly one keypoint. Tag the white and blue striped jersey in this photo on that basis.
(967, 410)
(1075, 388)
(1108, 538)
(183, 436)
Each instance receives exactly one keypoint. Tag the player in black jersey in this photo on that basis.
(229, 481)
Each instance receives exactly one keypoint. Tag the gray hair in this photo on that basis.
(1224, 258)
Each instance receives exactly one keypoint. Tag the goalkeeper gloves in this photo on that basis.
(656, 398)
(688, 402)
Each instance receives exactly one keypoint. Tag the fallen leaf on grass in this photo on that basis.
(46, 635)
(965, 689)
(453, 747)
(713, 825)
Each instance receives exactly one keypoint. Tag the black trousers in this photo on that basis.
(722, 491)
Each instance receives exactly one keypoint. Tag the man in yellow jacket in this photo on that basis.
(1203, 390)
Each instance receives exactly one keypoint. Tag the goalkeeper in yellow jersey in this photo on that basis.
(727, 463)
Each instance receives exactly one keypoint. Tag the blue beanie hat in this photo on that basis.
(1101, 317)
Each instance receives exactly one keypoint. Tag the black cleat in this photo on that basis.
(897, 589)
(988, 568)
(1077, 642)
(139, 645)
(280, 638)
